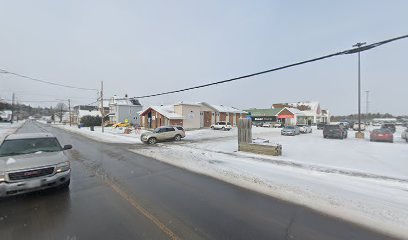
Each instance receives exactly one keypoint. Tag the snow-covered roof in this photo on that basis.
(295, 111)
(188, 103)
(94, 113)
(167, 111)
(299, 105)
(115, 100)
(226, 109)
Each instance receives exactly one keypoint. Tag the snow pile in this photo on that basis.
(8, 128)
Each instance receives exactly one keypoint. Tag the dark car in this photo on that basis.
(383, 135)
(389, 126)
(334, 131)
(321, 125)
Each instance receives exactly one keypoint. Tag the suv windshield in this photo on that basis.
(27, 146)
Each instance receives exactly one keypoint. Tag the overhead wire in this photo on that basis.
(44, 81)
(349, 51)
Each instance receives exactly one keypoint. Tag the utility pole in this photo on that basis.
(359, 134)
(367, 92)
(12, 108)
(102, 109)
(69, 109)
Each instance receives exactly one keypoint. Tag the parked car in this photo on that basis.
(225, 126)
(266, 124)
(382, 134)
(376, 124)
(362, 127)
(303, 128)
(32, 161)
(404, 135)
(290, 131)
(346, 125)
(122, 124)
(334, 131)
(389, 126)
(257, 124)
(277, 125)
(321, 125)
(175, 133)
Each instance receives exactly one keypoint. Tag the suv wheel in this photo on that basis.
(177, 137)
(212, 127)
(152, 140)
(223, 128)
(65, 185)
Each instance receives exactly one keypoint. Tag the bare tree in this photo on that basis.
(60, 109)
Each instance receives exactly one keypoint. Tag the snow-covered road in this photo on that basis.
(358, 180)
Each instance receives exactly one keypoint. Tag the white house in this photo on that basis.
(124, 109)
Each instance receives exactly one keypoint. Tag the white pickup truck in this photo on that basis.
(225, 126)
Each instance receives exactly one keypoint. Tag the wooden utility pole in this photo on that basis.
(102, 109)
(12, 108)
(69, 109)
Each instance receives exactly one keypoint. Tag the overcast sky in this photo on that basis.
(145, 47)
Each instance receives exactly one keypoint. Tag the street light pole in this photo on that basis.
(359, 134)
(367, 92)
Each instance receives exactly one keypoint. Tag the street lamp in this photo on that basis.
(359, 134)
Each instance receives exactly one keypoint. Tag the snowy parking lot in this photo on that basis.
(355, 179)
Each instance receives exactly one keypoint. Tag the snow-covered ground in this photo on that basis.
(8, 128)
(357, 180)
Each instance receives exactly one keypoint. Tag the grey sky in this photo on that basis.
(147, 47)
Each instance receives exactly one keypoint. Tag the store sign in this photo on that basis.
(263, 119)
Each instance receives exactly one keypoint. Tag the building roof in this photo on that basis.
(188, 103)
(303, 106)
(295, 111)
(115, 100)
(226, 109)
(167, 111)
(89, 113)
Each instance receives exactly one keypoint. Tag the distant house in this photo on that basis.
(5, 115)
(124, 109)
(83, 110)
(189, 115)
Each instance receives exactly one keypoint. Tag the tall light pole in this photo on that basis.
(367, 92)
(359, 134)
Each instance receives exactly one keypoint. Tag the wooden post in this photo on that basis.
(102, 109)
(244, 131)
(69, 109)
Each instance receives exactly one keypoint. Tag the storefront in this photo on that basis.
(260, 116)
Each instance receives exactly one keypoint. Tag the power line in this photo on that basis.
(43, 81)
(350, 51)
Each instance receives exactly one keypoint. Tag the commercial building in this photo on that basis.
(312, 112)
(189, 115)
(285, 116)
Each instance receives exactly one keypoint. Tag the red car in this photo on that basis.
(383, 135)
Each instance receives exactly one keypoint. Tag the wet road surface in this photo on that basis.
(117, 194)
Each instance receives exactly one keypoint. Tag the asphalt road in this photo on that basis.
(117, 194)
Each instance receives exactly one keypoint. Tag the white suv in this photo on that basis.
(222, 126)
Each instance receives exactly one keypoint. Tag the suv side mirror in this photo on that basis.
(66, 147)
